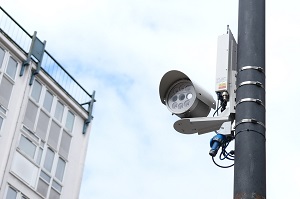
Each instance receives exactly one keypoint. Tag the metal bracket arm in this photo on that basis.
(37, 49)
(200, 125)
(90, 112)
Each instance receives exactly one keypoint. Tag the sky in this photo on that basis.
(121, 49)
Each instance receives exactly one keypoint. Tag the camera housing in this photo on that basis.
(192, 103)
(183, 97)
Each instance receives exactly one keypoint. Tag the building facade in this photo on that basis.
(45, 120)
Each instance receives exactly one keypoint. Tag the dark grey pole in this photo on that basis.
(250, 141)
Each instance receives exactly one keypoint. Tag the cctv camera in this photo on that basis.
(183, 97)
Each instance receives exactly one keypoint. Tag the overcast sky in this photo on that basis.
(121, 49)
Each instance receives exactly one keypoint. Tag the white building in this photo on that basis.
(44, 120)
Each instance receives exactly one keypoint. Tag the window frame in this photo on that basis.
(37, 144)
(9, 187)
(4, 57)
(69, 112)
(58, 101)
(23, 151)
(46, 164)
(10, 57)
(56, 169)
(45, 153)
(44, 99)
(2, 117)
(55, 188)
(19, 194)
(4, 74)
(12, 82)
(40, 92)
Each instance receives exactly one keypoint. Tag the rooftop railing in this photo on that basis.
(18, 35)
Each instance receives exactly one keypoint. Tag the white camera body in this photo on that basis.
(183, 97)
(192, 103)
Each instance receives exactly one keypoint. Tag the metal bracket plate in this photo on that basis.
(200, 125)
(90, 111)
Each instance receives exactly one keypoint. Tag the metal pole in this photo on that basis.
(250, 141)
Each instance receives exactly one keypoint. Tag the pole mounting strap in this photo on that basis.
(254, 121)
(258, 101)
(250, 130)
(258, 68)
(256, 83)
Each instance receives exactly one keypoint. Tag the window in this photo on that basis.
(24, 169)
(30, 115)
(42, 187)
(54, 134)
(11, 193)
(60, 169)
(1, 122)
(11, 68)
(48, 101)
(36, 91)
(42, 125)
(55, 190)
(45, 142)
(6, 81)
(45, 179)
(2, 53)
(45, 176)
(3, 110)
(70, 121)
(65, 144)
(5, 91)
(39, 156)
(49, 160)
(54, 194)
(56, 186)
(26, 146)
(59, 111)
(30, 134)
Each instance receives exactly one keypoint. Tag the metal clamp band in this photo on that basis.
(260, 69)
(250, 130)
(258, 101)
(257, 83)
(254, 121)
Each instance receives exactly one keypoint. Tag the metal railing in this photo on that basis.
(18, 35)
(64, 79)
